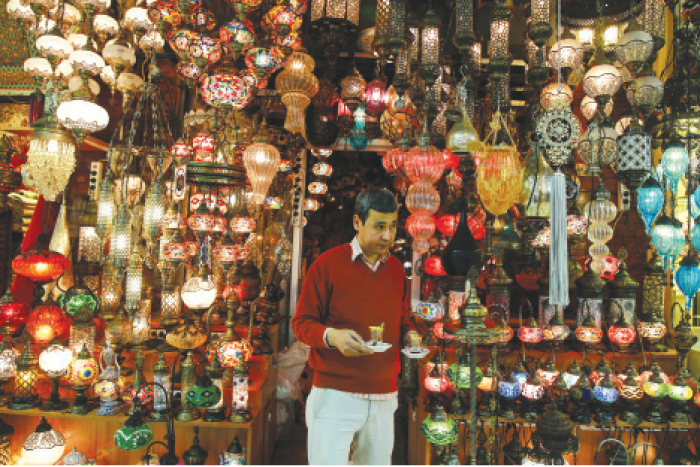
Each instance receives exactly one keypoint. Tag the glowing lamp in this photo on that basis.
(229, 353)
(674, 163)
(572, 375)
(40, 266)
(459, 373)
(509, 388)
(602, 81)
(588, 332)
(43, 447)
(45, 323)
(433, 266)
(532, 389)
(376, 98)
(261, 161)
(548, 373)
(13, 314)
(423, 199)
(199, 292)
(424, 162)
(668, 239)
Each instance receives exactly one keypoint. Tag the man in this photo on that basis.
(347, 290)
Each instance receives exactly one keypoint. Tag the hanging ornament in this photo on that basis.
(559, 129)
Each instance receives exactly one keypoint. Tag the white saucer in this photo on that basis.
(420, 354)
(381, 347)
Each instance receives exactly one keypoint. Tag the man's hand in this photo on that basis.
(348, 342)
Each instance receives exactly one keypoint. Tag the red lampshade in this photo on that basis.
(46, 322)
(40, 265)
(477, 226)
(530, 333)
(622, 335)
(420, 227)
(242, 224)
(451, 161)
(436, 383)
(447, 224)
(393, 160)
(376, 98)
(13, 314)
(505, 334)
(433, 266)
(589, 335)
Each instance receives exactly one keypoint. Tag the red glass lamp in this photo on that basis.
(451, 161)
(376, 98)
(433, 266)
(13, 314)
(622, 334)
(447, 224)
(40, 265)
(588, 332)
(46, 322)
(530, 333)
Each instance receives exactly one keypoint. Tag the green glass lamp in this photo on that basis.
(440, 430)
(134, 434)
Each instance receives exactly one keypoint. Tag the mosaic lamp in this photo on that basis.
(533, 391)
(135, 433)
(680, 393)
(235, 454)
(82, 372)
(43, 447)
(657, 390)
(622, 334)
(439, 429)
(606, 394)
(508, 389)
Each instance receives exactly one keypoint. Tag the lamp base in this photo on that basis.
(54, 405)
(187, 415)
(109, 408)
(242, 417)
(605, 416)
(631, 418)
(214, 416)
(24, 403)
(655, 415)
(80, 409)
(158, 416)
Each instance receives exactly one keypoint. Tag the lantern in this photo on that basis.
(668, 239)
(623, 295)
(297, 85)
(82, 372)
(556, 95)
(25, 396)
(606, 394)
(602, 82)
(657, 390)
(622, 334)
(134, 434)
(588, 332)
(674, 163)
(439, 429)
(508, 389)
(54, 361)
(572, 375)
(530, 333)
(235, 454)
(598, 146)
(688, 279)
(635, 46)
(567, 53)
(13, 314)
(499, 178)
(650, 200)
(261, 161)
(45, 323)
(459, 373)
(240, 408)
(533, 391)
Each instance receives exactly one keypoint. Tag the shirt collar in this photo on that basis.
(357, 251)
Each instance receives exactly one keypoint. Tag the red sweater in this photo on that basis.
(345, 294)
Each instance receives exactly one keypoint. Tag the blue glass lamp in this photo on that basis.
(509, 389)
(674, 163)
(650, 200)
(668, 239)
(606, 394)
(688, 279)
(695, 234)
(520, 373)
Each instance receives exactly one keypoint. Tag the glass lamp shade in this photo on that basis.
(570, 52)
(136, 20)
(668, 239)
(229, 354)
(261, 161)
(129, 82)
(423, 199)
(82, 371)
(650, 200)
(634, 47)
(674, 163)
(199, 292)
(532, 389)
(680, 392)
(424, 163)
(238, 35)
(420, 227)
(631, 392)
(152, 41)
(602, 80)
(652, 331)
(119, 56)
(509, 388)
(645, 92)
(352, 90)
(54, 360)
(318, 188)
(13, 314)
(264, 60)
(576, 225)
(634, 151)
(65, 70)
(530, 333)
(181, 151)
(40, 266)
(505, 334)
(622, 335)
(433, 266)
(348, 10)
(120, 243)
(430, 310)
(87, 60)
(551, 95)
(548, 375)
(459, 375)
(38, 67)
(105, 209)
(656, 389)
(439, 430)
(688, 279)
(376, 98)
(134, 434)
(322, 169)
(50, 160)
(242, 224)
(605, 393)
(571, 377)
(589, 333)
(82, 115)
(598, 145)
(499, 178)
(8, 364)
(43, 447)
(447, 224)
(53, 46)
(20, 11)
(225, 89)
(105, 25)
(393, 160)
(436, 383)
(589, 107)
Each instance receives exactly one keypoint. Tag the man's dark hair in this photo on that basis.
(377, 199)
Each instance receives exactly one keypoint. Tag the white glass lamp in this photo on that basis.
(43, 447)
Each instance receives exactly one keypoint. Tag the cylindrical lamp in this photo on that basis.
(25, 396)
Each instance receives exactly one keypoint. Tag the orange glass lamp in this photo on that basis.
(499, 177)
(46, 322)
(488, 386)
(40, 266)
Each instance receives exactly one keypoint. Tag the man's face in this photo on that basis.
(378, 232)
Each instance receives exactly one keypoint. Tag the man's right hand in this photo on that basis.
(348, 342)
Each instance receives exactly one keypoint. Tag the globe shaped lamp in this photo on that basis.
(199, 292)
(674, 163)
(13, 314)
(572, 375)
(82, 116)
(645, 93)
(43, 447)
(688, 279)
(668, 239)
(530, 333)
(508, 389)
(601, 82)
(622, 334)
(635, 46)
(82, 372)
(45, 323)
(533, 391)
(556, 95)
(439, 429)
(568, 53)
(588, 332)
(54, 361)
(598, 146)
(657, 390)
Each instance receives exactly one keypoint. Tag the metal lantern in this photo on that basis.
(540, 29)
(217, 412)
(189, 375)
(598, 146)
(45, 446)
(240, 406)
(25, 396)
(634, 154)
(654, 21)
(430, 46)
(297, 85)
(499, 58)
(623, 295)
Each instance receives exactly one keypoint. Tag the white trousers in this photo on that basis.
(335, 417)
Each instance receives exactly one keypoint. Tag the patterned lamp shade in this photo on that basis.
(656, 388)
(44, 446)
(588, 332)
(509, 388)
(572, 375)
(499, 178)
(459, 374)
(622, 334)
(45, 323)
(606, 391)
(430, 310)
(548, 374)
(530, 333)
(229, 353)
(679, 391)
(439, 429)
(634, 150)
(533, 389)
(668, 239)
